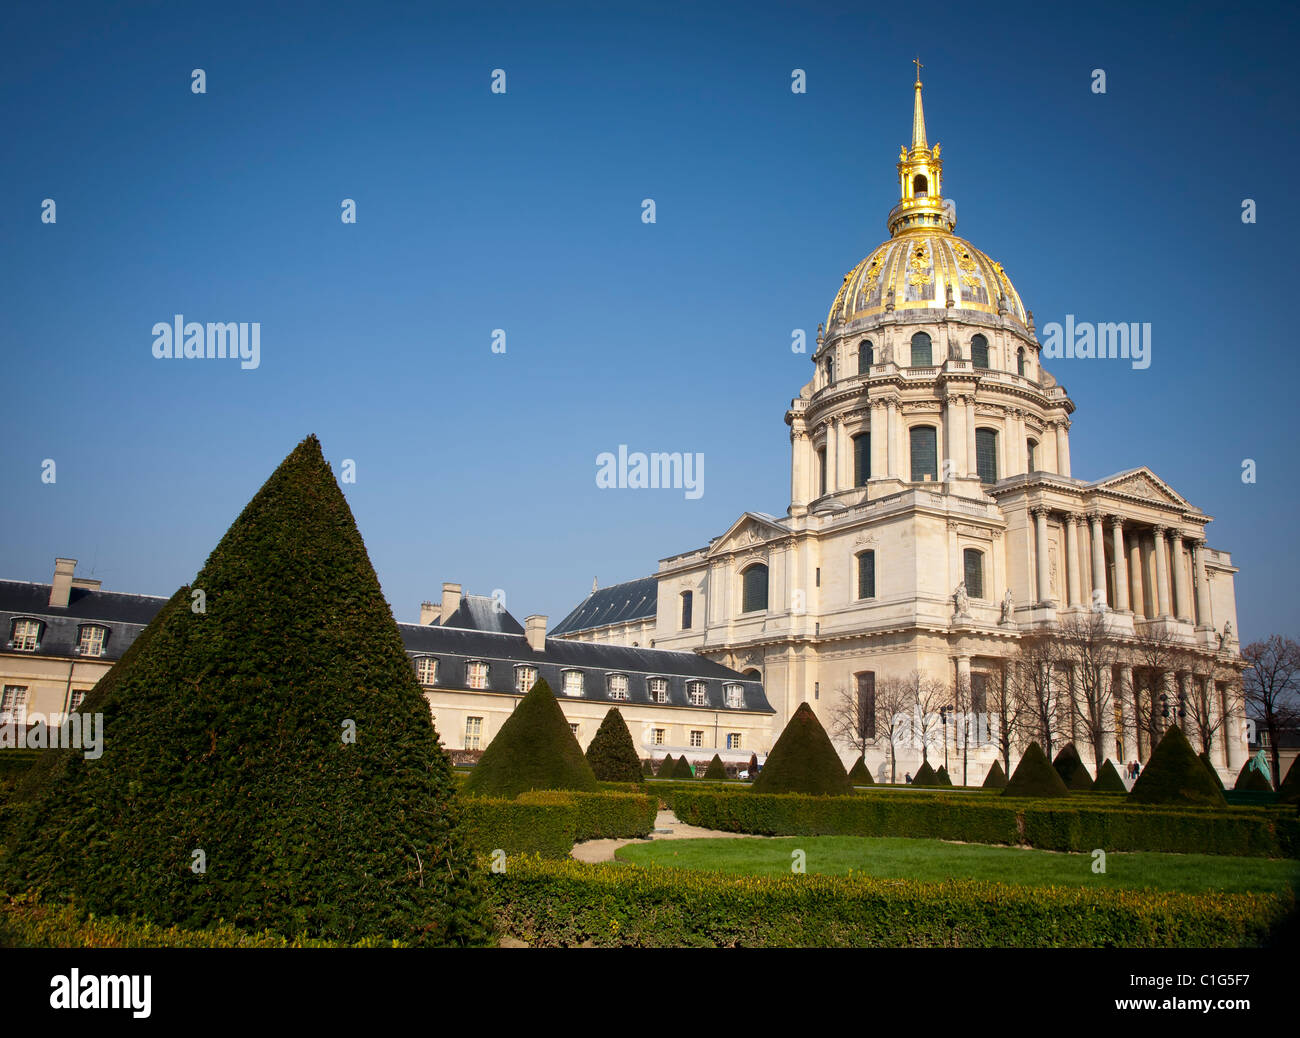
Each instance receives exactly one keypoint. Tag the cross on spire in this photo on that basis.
(917, 62)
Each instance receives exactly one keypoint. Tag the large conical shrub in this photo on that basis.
(860, 774)
(268, 758)
(682, 769)
(612, 754)
(666, 767)
(1108, 779)
(647, 768)
(535, 749)
(925, 775)
(1035, 777)
(996, 778)
(1175, 775)
(803, 760)
(1289, 791)
(941, 777)
(1071, 769)
(1251, 780)
(716, 771)
(1214, 772)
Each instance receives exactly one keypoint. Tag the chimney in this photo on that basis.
(535, 632)
(428, 614)
(450, 601)
(62, 586)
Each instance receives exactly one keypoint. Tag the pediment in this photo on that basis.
(747, 532)
(1145, 484)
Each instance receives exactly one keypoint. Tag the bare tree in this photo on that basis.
(893, 717)
(962, 697)
(853, 717)
(1089, 649)
(1039, 689)
(1204, 713)
(925, 697)
(1272, 689)
(1006, 715)
(1156, 653)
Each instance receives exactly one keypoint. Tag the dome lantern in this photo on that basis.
(920, 178)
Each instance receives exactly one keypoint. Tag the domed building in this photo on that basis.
(937, 536)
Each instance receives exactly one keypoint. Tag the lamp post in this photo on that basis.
(944, 711)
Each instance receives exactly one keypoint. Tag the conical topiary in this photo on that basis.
(534, 749)
(803, 760)
(1108, 779)
(647, 768)
(1035, 777)
(1289, 791)
(860, 774)
(1214, 772)
(941, 777)
(1251, 780)
(1174, 775)
(716, 771)
(996, 778)
(1070, 767)
(268, 758)
(925, 775)
(682, 769)
(612, 754)
(666, 767)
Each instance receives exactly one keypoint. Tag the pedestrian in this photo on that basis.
(908, 776)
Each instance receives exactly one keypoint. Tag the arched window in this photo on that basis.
(922, 355)
(1020, 361)
(920, 189)
(687, 602)
(861, 459)
(973, 571)
(866, 356)
(867, 574)
(986, 455)
(91, 640)
(821, 472)
(924, 453)
(866, 720)
(752, 674)
(1031, 450)
(426, 670)
(25, 635)
(754, 589)
(979, 352)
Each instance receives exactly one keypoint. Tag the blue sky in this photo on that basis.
(522, 211)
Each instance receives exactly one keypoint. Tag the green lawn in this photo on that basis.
(935, 860)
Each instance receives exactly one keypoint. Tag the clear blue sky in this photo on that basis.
(522, 211)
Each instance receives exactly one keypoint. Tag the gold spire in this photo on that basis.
(918, 113)
(920, 175)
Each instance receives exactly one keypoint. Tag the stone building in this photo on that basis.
(935, 521)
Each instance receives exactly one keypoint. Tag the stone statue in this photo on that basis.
(961, 600)
(1008, 607)
(1226, 637)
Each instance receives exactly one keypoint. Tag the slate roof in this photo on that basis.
(454, 649)
(481, 613)
(125, 616)
(618, 603)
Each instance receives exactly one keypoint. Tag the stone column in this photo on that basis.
(1128, 714)
(972, 459)
(1219, 754)
(1182, 600)
(1044, 571)
(1234, 732)
(1098, 560)
(954, 450)
(1187, 722)
(844, 451)
(879, 440)
(799, 461)
(1074, 590)
(1121, 563)
(1138, 588)
(1106, 696)
(1162, 572)
(832, 456)
(1204, 614)
(1063, 448)
(891, 420)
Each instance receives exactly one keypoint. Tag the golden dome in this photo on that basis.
(923, 267)
(924, 264)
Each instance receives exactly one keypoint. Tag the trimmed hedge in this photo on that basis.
(1035, 777)
(1075, 824)
(1251, 780)
(567, 904)
(666, 767)
(682, 768)
(612, 754)
(716, 771)
(860, 775)
(941, 777)
(1070, 767)
(1289, 791)
(549, 822)
(996, 778)
(1108, 779)
(803, 760)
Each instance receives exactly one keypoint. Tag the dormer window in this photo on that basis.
(573, 682)
(525, 679)
(25, 635)
(618, 686)
(91, 639)
(476, 674)
(735, 694)
(426, 670)
(695, 692)
(658, 690)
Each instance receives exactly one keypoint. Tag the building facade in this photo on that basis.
(935, 522)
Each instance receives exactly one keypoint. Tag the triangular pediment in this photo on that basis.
(749, 530)
(1145, 484)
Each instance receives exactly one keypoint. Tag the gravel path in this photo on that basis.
(603, 850)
